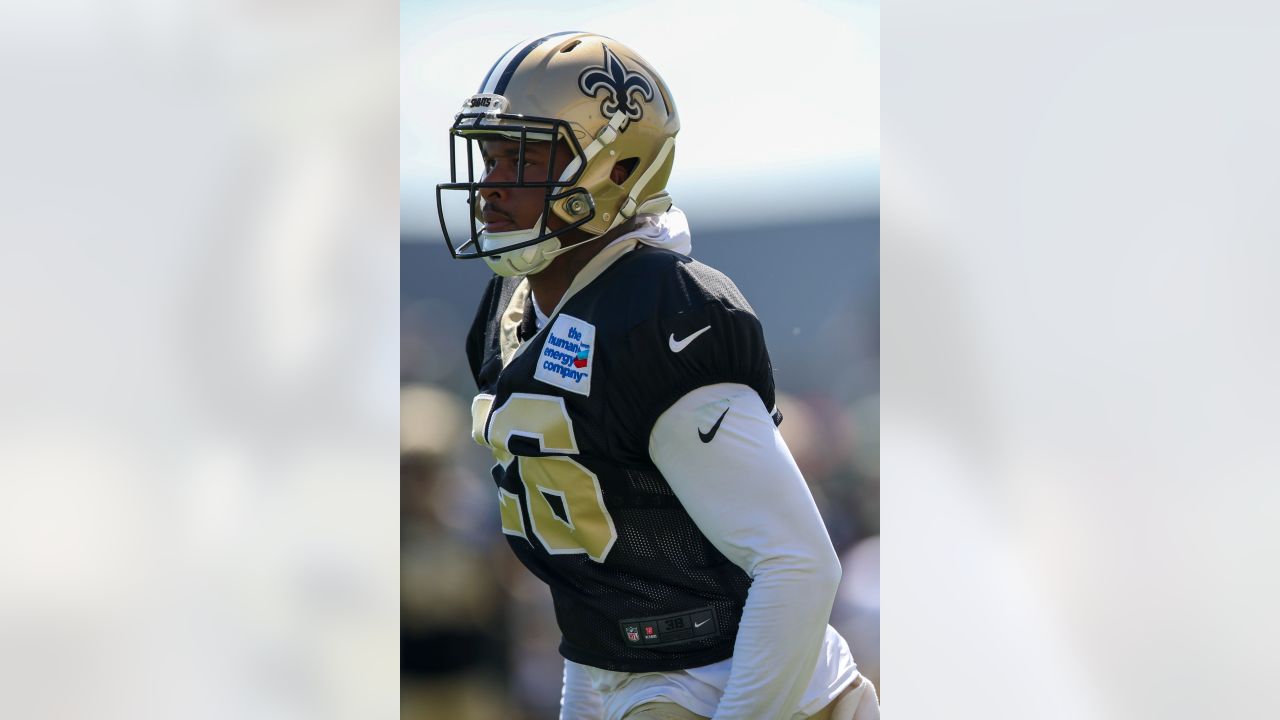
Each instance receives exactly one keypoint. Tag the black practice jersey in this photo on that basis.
(568, 411)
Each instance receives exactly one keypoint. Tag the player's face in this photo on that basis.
(507, 209)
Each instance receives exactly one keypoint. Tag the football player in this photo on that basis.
(628, 398)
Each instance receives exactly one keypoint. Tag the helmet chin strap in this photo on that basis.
(521, 261)
(529, 260)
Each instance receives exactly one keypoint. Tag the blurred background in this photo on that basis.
(778, 172)
(199, 414)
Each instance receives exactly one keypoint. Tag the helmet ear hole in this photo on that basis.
(623, 170)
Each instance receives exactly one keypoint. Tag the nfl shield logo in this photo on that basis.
(633, 634)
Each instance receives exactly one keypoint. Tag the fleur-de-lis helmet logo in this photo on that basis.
(620, 86)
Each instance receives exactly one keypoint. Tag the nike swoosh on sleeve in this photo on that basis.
(706, 436)
(678, 345)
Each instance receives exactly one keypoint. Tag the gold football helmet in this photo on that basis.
(607, 105)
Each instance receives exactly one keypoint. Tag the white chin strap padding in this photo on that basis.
(525, 261)
(521, 261)
(490, 241)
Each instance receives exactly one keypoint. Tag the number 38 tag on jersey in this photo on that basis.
(568, 355)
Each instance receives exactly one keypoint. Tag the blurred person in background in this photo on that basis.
(628, 397)
(452, 609)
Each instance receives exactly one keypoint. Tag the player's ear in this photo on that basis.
(622, 170)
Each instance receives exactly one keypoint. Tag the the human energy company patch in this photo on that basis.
(568, 354)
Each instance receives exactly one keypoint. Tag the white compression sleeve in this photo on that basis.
(578, 699)
(744, 491)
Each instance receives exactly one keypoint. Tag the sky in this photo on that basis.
(779, 108)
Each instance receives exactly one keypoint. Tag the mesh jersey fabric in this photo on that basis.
(660, 563)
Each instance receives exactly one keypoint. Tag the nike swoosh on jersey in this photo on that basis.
(678, 345)
(706, 437)
(704, 622)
